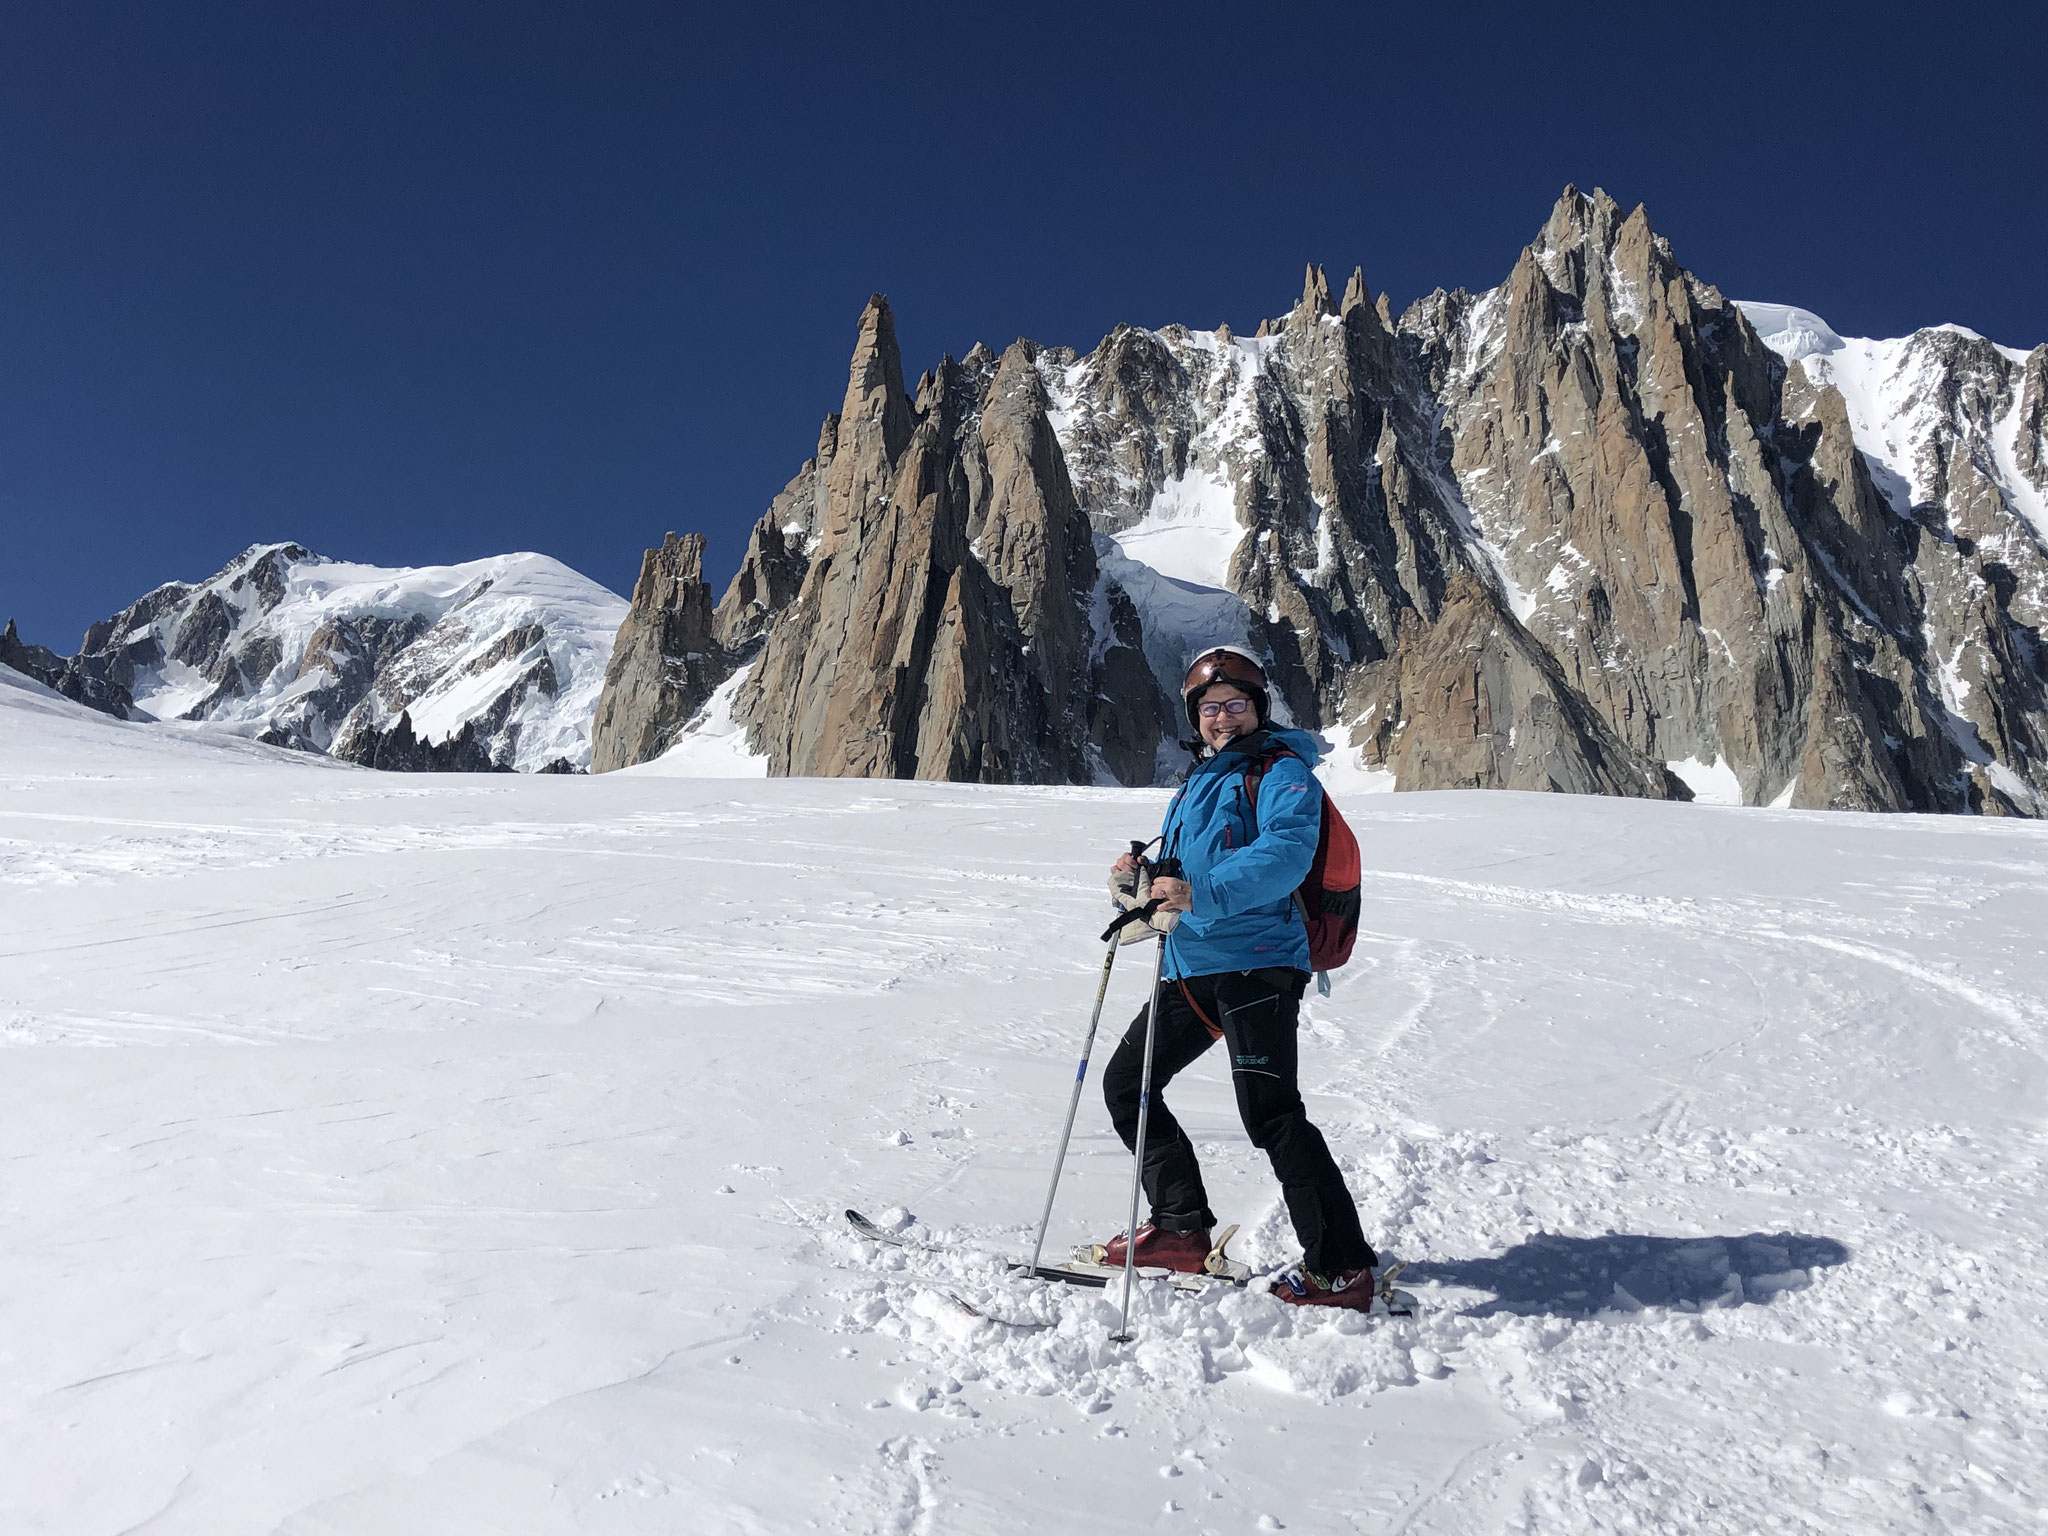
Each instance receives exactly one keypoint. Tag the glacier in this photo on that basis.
(465, 1153)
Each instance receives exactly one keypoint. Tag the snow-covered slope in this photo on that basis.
(1162, 489)
(292, 648)
(465, 1154)
(712, 745)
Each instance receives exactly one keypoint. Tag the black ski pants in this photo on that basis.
(1257, 1012)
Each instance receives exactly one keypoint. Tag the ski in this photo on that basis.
(980, 1315)
(1085, 1270)
(1080, 1271)
(875, 1234)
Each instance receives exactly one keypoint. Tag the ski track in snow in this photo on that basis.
(466, 1155)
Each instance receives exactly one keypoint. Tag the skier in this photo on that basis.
(1235, 968)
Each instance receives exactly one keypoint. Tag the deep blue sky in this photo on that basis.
(415, 282)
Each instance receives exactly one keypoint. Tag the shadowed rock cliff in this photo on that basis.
(664, 662)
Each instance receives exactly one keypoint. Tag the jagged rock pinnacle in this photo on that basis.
(1315, 293)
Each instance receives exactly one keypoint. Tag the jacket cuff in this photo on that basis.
(1207, 902)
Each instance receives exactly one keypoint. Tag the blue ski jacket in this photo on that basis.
(1243, 916)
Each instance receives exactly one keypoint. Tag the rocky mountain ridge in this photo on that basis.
(490, 665)
(1587, 531)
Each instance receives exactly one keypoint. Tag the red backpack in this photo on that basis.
(1328, 899)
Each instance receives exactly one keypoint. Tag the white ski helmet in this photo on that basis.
(1231, 664)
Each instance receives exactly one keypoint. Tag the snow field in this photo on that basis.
(451, 1154)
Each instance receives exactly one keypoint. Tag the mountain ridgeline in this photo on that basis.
(490, 666)
(1598, 530)
(1585, 532)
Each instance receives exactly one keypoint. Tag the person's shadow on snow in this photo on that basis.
(1579, 1276)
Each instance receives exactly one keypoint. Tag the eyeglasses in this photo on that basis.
(1217, 707)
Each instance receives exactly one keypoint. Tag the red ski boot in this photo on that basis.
(1355, 1289)
(1187, 1252)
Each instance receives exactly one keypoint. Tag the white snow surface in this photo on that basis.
(1178, 618)
(1791, 332)
(394, 1154)
(1712, 783)
(1190, 531)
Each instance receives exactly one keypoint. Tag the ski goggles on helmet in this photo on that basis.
(1223, 666)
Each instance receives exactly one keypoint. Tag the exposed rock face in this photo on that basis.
(83, 680)
(778, 553)
(1486, 707)
(1613, 428)
(849, 683)
(38, 661)
(1589, 531)
(944, 622)
(664, 662)
(2030, 437)
(397, 750)
(1948, 587)
(309, 653)
(1295, 481)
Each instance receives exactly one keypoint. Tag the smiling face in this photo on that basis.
(1224, 726)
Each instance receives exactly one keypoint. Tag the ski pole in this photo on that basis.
(1109, 937)
(1123, 1333)
(1059, 1162)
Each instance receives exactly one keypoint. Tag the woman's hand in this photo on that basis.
(1173, 895)
(1123, 865)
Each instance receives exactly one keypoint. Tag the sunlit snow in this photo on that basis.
(712, 745)
(1711, 783)
(1793, 333)
(465, 1154)
(1190, 531)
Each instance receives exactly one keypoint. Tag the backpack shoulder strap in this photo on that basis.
(1257, 771)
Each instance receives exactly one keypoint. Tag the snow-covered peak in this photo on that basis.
(1924, 408)
(298, 649)
(1791, 332)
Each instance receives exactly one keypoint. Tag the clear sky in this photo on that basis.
(417, 282)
